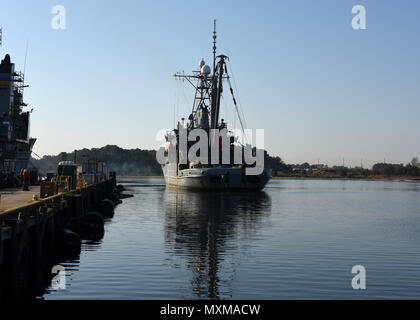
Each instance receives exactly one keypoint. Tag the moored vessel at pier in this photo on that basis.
(15, 141)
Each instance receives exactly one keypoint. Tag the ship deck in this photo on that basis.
(15, 197)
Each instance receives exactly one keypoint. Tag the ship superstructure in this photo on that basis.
(15, 141)
(205, 115)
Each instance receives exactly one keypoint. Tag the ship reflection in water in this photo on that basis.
(205, 227)
(298, 239)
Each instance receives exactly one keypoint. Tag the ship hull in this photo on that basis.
(219, 178)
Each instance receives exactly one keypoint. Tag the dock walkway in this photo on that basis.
(15, 197)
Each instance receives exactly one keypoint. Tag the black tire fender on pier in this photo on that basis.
(106, 208)
(93, 221)
(113, 196)
(71, 239)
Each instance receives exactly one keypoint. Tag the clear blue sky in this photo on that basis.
(320, 89)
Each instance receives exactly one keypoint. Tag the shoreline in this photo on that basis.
(135, 176)
(390, 179)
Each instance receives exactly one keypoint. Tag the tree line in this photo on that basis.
(143, 163)
(123, 161)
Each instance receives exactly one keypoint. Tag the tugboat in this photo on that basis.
(15, 141)
(192, 174)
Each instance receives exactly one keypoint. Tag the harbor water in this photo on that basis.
(297, 239)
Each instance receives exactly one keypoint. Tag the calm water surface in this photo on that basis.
(297, 239)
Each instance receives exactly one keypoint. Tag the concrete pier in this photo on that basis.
(15, 197)
(32, 233)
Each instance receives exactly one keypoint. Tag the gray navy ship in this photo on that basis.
(205, 115)
(15, 141)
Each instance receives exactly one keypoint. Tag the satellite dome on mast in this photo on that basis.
(201, 63)
(205, 70)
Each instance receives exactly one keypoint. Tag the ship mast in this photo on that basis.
(214, 46)
(220, 70)
(217, 83)
(208, 88)
(213, 122)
